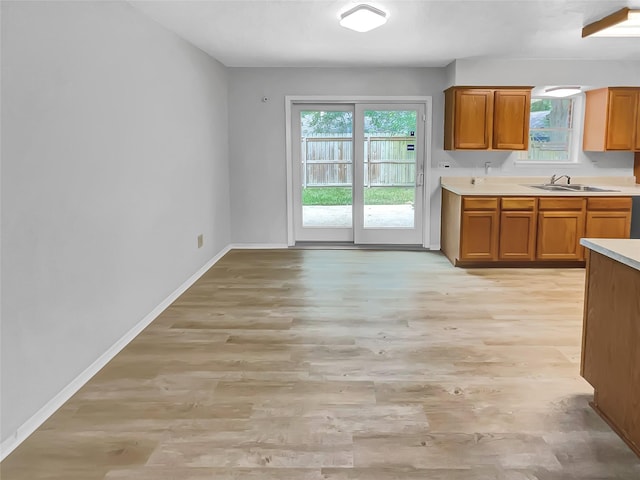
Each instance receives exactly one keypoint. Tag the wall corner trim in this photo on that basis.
(30, 426)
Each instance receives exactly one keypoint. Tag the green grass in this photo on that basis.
(388, 195)
(342, 195)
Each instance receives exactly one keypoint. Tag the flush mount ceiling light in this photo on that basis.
(363, 18)
(560, 92)
(623, 23)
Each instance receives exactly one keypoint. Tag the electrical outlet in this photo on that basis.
(200, 240)
(444, 164)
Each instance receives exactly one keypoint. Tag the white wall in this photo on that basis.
(257, 146)
(589, 73)
(257, 130)
(114, 159)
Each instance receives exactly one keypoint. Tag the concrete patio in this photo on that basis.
(376, 216)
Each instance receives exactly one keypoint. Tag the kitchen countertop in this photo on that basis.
(623, 250)
(518, 186)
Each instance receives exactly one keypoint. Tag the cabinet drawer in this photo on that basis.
(479, 203)
(609, 203)
(518, 203)
(608, 224)
(557, 203)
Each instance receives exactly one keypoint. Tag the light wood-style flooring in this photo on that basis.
(343, 365)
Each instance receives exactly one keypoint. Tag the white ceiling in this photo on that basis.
(419, 33)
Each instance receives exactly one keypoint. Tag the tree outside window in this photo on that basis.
(550, 130)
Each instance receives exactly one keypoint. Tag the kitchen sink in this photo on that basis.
(588, 188)
(570, 188)
(555, 188)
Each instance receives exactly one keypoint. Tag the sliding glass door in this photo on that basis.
(323, 172)
(388, 186)
(358, 173)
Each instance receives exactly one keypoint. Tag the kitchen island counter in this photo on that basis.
(611, 333)
(623, 250)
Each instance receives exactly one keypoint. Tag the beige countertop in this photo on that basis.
(623, 250)
(520, 186)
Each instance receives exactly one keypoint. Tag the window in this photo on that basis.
(550, 130)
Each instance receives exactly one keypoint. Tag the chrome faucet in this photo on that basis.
(554, 179)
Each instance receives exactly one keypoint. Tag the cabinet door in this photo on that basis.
(479, 235)
(473, 114)
(511, 119)
(559, 234)
(621, 119)
(636, 146)
(608, 224)
(595, 120)
(517, 235)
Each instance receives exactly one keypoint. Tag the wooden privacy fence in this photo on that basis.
(548, 144)
(328, 161)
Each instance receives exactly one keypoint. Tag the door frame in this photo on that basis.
(289, 100)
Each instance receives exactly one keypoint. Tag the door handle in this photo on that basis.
(420, 179)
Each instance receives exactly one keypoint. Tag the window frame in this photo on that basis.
(574, 141)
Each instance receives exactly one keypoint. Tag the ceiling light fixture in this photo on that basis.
(560, 92)
(363, 18)
(623, 23)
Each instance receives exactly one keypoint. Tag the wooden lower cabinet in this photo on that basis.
(521, 230)
(608, 217)
(560, 228)
(559, 235)
(479, 235)
(608, 225)
(517, 236)
(479, 229)
(517, 229)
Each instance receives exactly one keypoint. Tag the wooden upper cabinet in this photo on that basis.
(491, 118)
(511, 119)
(622, 119)
(612, 119)
(473, 112)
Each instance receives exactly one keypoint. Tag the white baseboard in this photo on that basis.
(266, 246)
(257, 246)
(28, 427)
